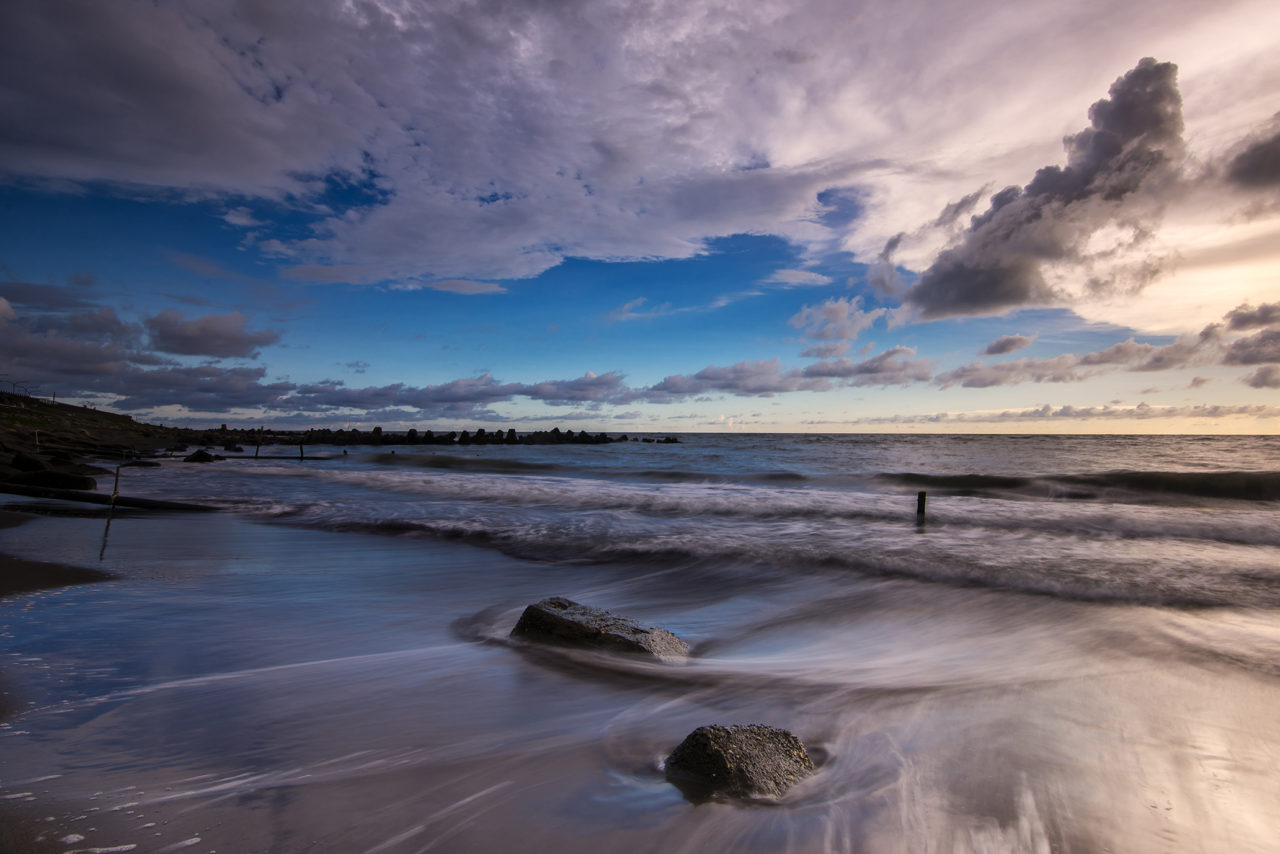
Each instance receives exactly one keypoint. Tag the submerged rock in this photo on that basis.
(566, 623)
(200, 456)
(740, 761)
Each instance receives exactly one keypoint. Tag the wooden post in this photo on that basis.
(920, 498)
(111, 510)
(300, 456)
(258, 447)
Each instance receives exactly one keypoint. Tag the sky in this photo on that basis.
(782, 215)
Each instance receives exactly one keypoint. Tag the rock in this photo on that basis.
(740, 761)
(24, 462)
(201, 456)
(564, 622)
(232, 448)
(53, 480)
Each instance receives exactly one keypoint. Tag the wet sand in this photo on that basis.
(249, 687)
(19, 575)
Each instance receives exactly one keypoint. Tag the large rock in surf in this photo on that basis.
(740, 761)
(566, 623)
(201, 456)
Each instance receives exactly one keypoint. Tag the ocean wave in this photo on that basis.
(1072, 564)
(1110, 486)
(1236, 485)
(447, 462)
(389, 495)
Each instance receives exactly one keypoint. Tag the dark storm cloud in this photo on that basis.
(1248, 317)
(1007, 344)
(217, 335)
(1262, 348)
(1133, 138)
(1268, 376)
(1257, 165)
(457, 397)
(203, 388)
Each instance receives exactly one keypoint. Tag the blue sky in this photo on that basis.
(798, 215)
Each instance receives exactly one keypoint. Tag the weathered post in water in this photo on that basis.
(258, 447)
(300, 456)
(920, 508)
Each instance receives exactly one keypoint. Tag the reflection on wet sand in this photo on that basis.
(302, 704)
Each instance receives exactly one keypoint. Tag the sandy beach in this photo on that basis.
(22, 576)
(325, 665)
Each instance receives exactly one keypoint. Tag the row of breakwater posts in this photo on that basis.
(236, 440)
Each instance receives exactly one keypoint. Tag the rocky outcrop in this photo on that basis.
(201, 456)
(564, 622)
(741, 761)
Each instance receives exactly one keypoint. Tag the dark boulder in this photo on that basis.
(201, 456)
(740, 761)
(564, 622)
(53, 480)
(25, 462)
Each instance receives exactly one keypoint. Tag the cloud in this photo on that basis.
(1007, 344)
(218, 335)
(1258, 164)
(6, 311)
(829, 350)
(797, 278)
(453, 286)
(1257, 349)
(463, 142)
(1059, 369)
(1070, 367)
(202, 266)
(634, 310)
(1268, 376)
(590, 387)
(839, 319)
(203, 388)
(1248, 317)
(241, 217)
(1068, 413)
(894, 366)
(745, 379)
(1112, 178)
(45, 297)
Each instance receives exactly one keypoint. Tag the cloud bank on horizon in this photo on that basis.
(954, 180)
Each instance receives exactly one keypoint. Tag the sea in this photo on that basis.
(1076, 648)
